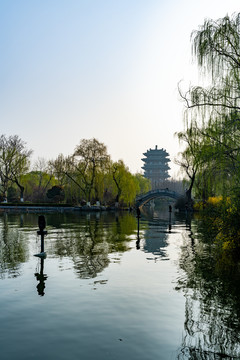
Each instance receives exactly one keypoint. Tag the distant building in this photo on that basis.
(156, 166)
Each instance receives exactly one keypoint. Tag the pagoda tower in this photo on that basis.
(156, 166)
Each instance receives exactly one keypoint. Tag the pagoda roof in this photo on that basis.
(156, 152)
(155, 160)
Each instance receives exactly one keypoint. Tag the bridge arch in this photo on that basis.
(153, 194)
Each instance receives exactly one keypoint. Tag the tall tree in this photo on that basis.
(215, 109)
(14, 162)
(126, 184)
(44, 177)
(59, 168)
(144, 184)
(89, 159)
(190, 160)
(119, 174)
(216, 47)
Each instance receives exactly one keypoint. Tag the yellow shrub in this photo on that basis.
(198, 206)
(214, 200)
(227, 245)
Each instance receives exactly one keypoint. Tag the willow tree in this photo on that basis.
(189, 160)
(125, 184)
(143, 184)
(14, 163)
(215, 109)
(90, 161)
(216, 48)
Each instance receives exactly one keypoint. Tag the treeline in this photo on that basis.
(211, 158)
(87, 176)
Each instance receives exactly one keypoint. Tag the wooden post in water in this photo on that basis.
(42, 233)
(170, 214)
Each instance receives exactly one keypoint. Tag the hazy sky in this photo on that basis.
(109, 69)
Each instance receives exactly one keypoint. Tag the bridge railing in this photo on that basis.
(158, 191)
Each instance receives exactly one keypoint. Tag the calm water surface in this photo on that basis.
(109, 291)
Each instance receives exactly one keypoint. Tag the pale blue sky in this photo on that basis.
(74, 69)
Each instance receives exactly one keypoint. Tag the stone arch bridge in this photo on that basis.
(153, 194)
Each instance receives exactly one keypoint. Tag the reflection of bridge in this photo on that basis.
(153, 194)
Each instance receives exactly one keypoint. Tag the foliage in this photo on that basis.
(90, 175)
(144, 184)
(36, 184)
(190, 161)
(87, 175)
(181, 203)
(90, 158)
(56, 193)
(222, 218)
(212, 121)
(212, 134)
(216, 48)
(123, 180)
(12, 194)
(14, 162)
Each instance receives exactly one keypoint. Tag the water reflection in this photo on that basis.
(87, 239)
(170, 221)
(87, 243)
(41, 278)
(13, 248)
(156, 234)
(90, 242)
(138, 216)
(212, 310)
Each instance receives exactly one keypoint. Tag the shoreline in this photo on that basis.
(34, 208)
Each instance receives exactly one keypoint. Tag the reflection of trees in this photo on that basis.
(207, 335)
(212, 312)
(87, 239)
(90, 241)
(12, 248)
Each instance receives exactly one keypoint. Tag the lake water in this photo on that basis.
(109, 291)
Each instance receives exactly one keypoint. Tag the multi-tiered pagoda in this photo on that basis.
(156, 166)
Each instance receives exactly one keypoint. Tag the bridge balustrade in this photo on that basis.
(152, 194)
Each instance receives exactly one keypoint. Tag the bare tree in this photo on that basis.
(59, 167)
(44, 177)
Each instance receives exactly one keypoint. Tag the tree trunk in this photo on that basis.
(21, 193)
(21, 189)
(189, 204)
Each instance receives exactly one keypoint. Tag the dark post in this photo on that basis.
(138, 216)
(170, 215)
(138, 237)
(42, 232)
(42, 242)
